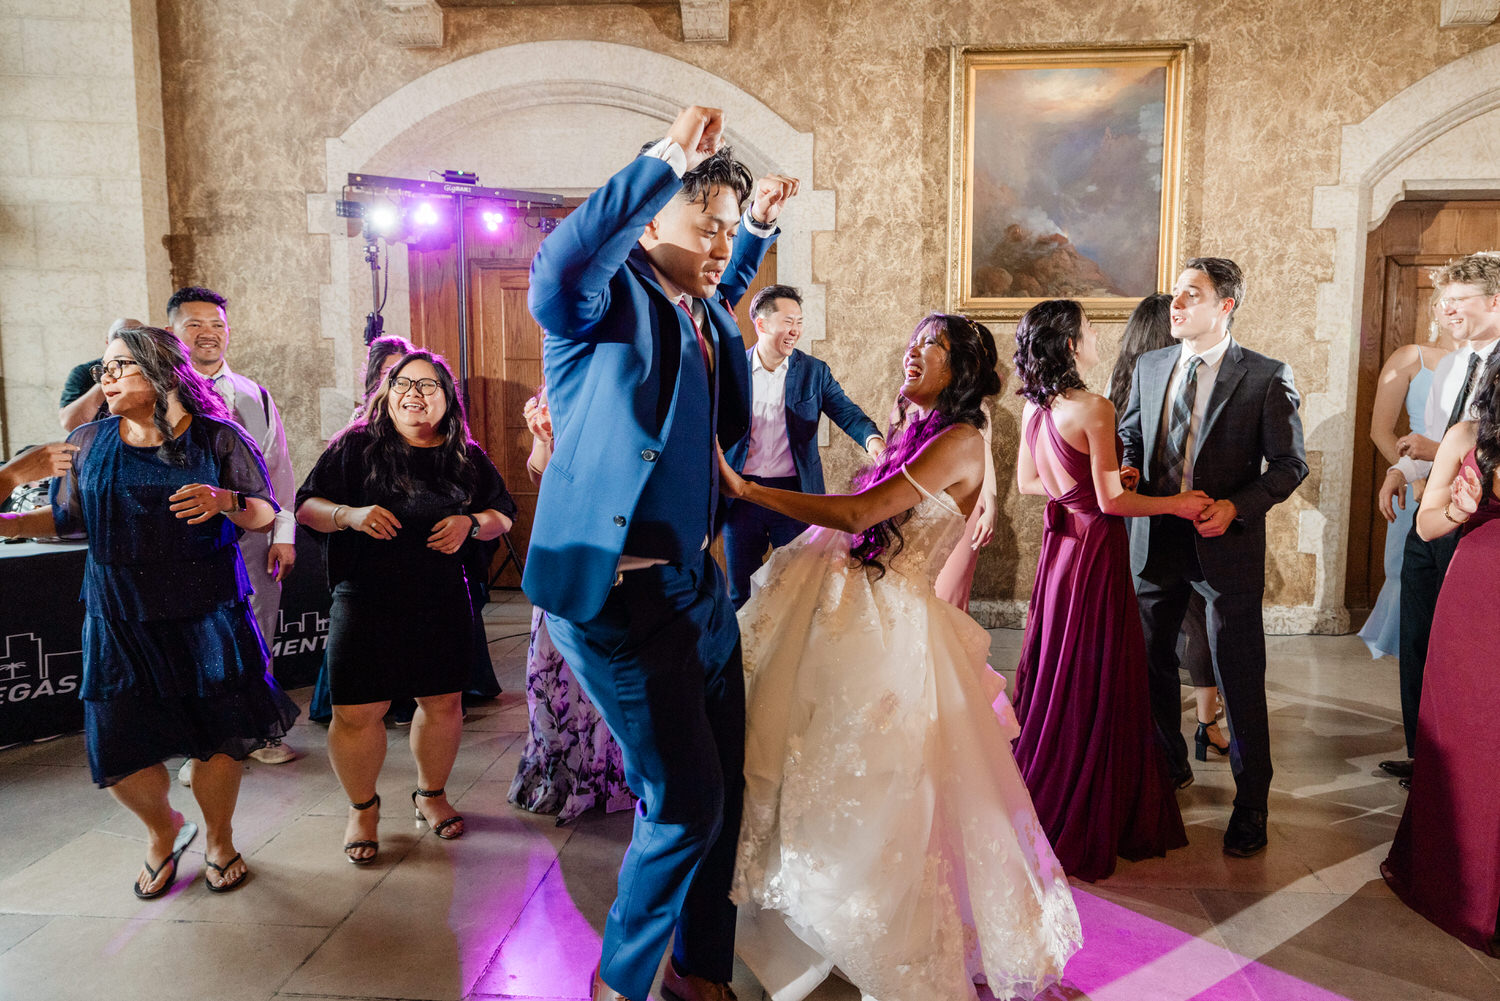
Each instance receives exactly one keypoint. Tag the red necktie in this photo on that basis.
(708, 358)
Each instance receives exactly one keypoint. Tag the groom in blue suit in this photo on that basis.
(647, 379)
(789, 390)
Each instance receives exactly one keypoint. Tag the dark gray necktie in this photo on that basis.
(1174, 450)
(1461, 405)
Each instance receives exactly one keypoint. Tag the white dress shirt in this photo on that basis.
(1447, 383)
(770, 451)
(256, 412)
(1207, 374)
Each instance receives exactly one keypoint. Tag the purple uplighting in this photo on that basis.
(493, 220)
(425, 214)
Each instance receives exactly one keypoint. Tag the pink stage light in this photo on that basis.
(425, 215)
(493, 220)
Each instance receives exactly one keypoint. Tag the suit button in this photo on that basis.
(620, 520)
(650, 455)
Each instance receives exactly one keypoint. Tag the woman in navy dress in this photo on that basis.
(174, 663)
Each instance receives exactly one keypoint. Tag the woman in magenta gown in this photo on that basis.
(1086, 748)
(1445, 860)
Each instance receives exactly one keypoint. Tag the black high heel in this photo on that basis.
(441, 827)
(1201, 743)
(351, 845)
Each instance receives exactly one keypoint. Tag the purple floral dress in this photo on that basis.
(571, 763)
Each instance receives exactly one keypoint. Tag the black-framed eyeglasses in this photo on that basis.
(114, 369)
(426, 387)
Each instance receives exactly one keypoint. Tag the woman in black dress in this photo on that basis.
(174, 663)
(399, 494)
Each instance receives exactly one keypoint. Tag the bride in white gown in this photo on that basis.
(887, 831)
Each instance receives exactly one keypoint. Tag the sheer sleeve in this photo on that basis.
(241, 466)
(66, 496)
(330, 478)
(489, 486)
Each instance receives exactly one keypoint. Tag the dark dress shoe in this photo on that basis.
(1401, 768)
(1182, 779)
(679, 986)
(1246, 833)
(1405, 783)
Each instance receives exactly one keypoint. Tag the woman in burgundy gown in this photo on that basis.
(1086, 747)
(1445, 861)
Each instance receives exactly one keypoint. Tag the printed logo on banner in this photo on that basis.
(306, 634)
(29, 672)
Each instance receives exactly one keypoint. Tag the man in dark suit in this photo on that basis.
(1208, 415)
(646, 379)
(789, 390)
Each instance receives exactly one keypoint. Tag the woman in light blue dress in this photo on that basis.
(1408, 369)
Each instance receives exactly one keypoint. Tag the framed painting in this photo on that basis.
(1064, 177)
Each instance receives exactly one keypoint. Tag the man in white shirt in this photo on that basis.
(790, 390)
(197, 316)
(1469, 300)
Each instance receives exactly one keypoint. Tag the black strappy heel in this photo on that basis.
(441, 825)
(363, 844)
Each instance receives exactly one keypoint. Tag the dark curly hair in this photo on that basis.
(1487, 426)
(164, 364)
(1148, 328)
(721, 170)
(972, 361)
(387, 455)
(377, 354)
(1046, 338)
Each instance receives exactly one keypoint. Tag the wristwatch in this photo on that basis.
(240, 503)
(474, 532)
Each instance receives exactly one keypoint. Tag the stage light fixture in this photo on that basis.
(493, 220)
(425, 214)
(382, 219)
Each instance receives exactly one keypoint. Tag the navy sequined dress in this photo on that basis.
(173, 662)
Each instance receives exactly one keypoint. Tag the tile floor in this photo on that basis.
(514, 909)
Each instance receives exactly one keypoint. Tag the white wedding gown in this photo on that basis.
(887, 831)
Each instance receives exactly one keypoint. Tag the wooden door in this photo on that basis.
(1415, 238)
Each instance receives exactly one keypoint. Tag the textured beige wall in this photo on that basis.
(252, 89)
(83, 196)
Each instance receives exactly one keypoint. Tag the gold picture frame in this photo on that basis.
(1062, 201)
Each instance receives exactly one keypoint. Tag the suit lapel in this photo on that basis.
(1231, 371)
(1154, 379)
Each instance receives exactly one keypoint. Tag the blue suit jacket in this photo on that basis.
(611, 354)
(810, 390)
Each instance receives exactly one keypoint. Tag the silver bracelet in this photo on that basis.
(337, 527)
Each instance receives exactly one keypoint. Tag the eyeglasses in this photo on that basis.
(114, 369)
(1453, 300)
(402, 385)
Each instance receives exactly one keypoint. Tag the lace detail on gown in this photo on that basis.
(885, 819)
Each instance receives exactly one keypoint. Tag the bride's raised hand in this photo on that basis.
(1190, 504)
(733, 485)
(1466, 491)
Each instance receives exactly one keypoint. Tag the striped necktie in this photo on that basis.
(1174, 450)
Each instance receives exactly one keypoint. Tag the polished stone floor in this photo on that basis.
(514, 908)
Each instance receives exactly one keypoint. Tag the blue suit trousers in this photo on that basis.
(661, 661)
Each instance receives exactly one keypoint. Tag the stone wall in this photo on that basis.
(255, 91)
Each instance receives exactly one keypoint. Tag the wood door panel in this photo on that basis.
(1415, 238)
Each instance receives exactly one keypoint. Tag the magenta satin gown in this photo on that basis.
(1086, 749)
(1445, 861)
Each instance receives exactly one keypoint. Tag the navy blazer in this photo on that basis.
(811, 390)
(610, 353)
(1248, 450)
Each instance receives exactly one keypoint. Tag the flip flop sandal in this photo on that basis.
(185, 835)
(220, 869)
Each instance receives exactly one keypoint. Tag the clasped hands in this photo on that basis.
(700, 133)
(379, 523)
(1210, 517)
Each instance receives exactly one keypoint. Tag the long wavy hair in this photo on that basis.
(1149, 328)
(387, 456)
(1046, 338)
(164, 364)
(1487, 429)
(972, 361)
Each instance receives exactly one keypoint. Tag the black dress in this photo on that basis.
(173, 662)
(402, 617)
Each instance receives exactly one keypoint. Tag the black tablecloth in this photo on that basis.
(41, 625)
